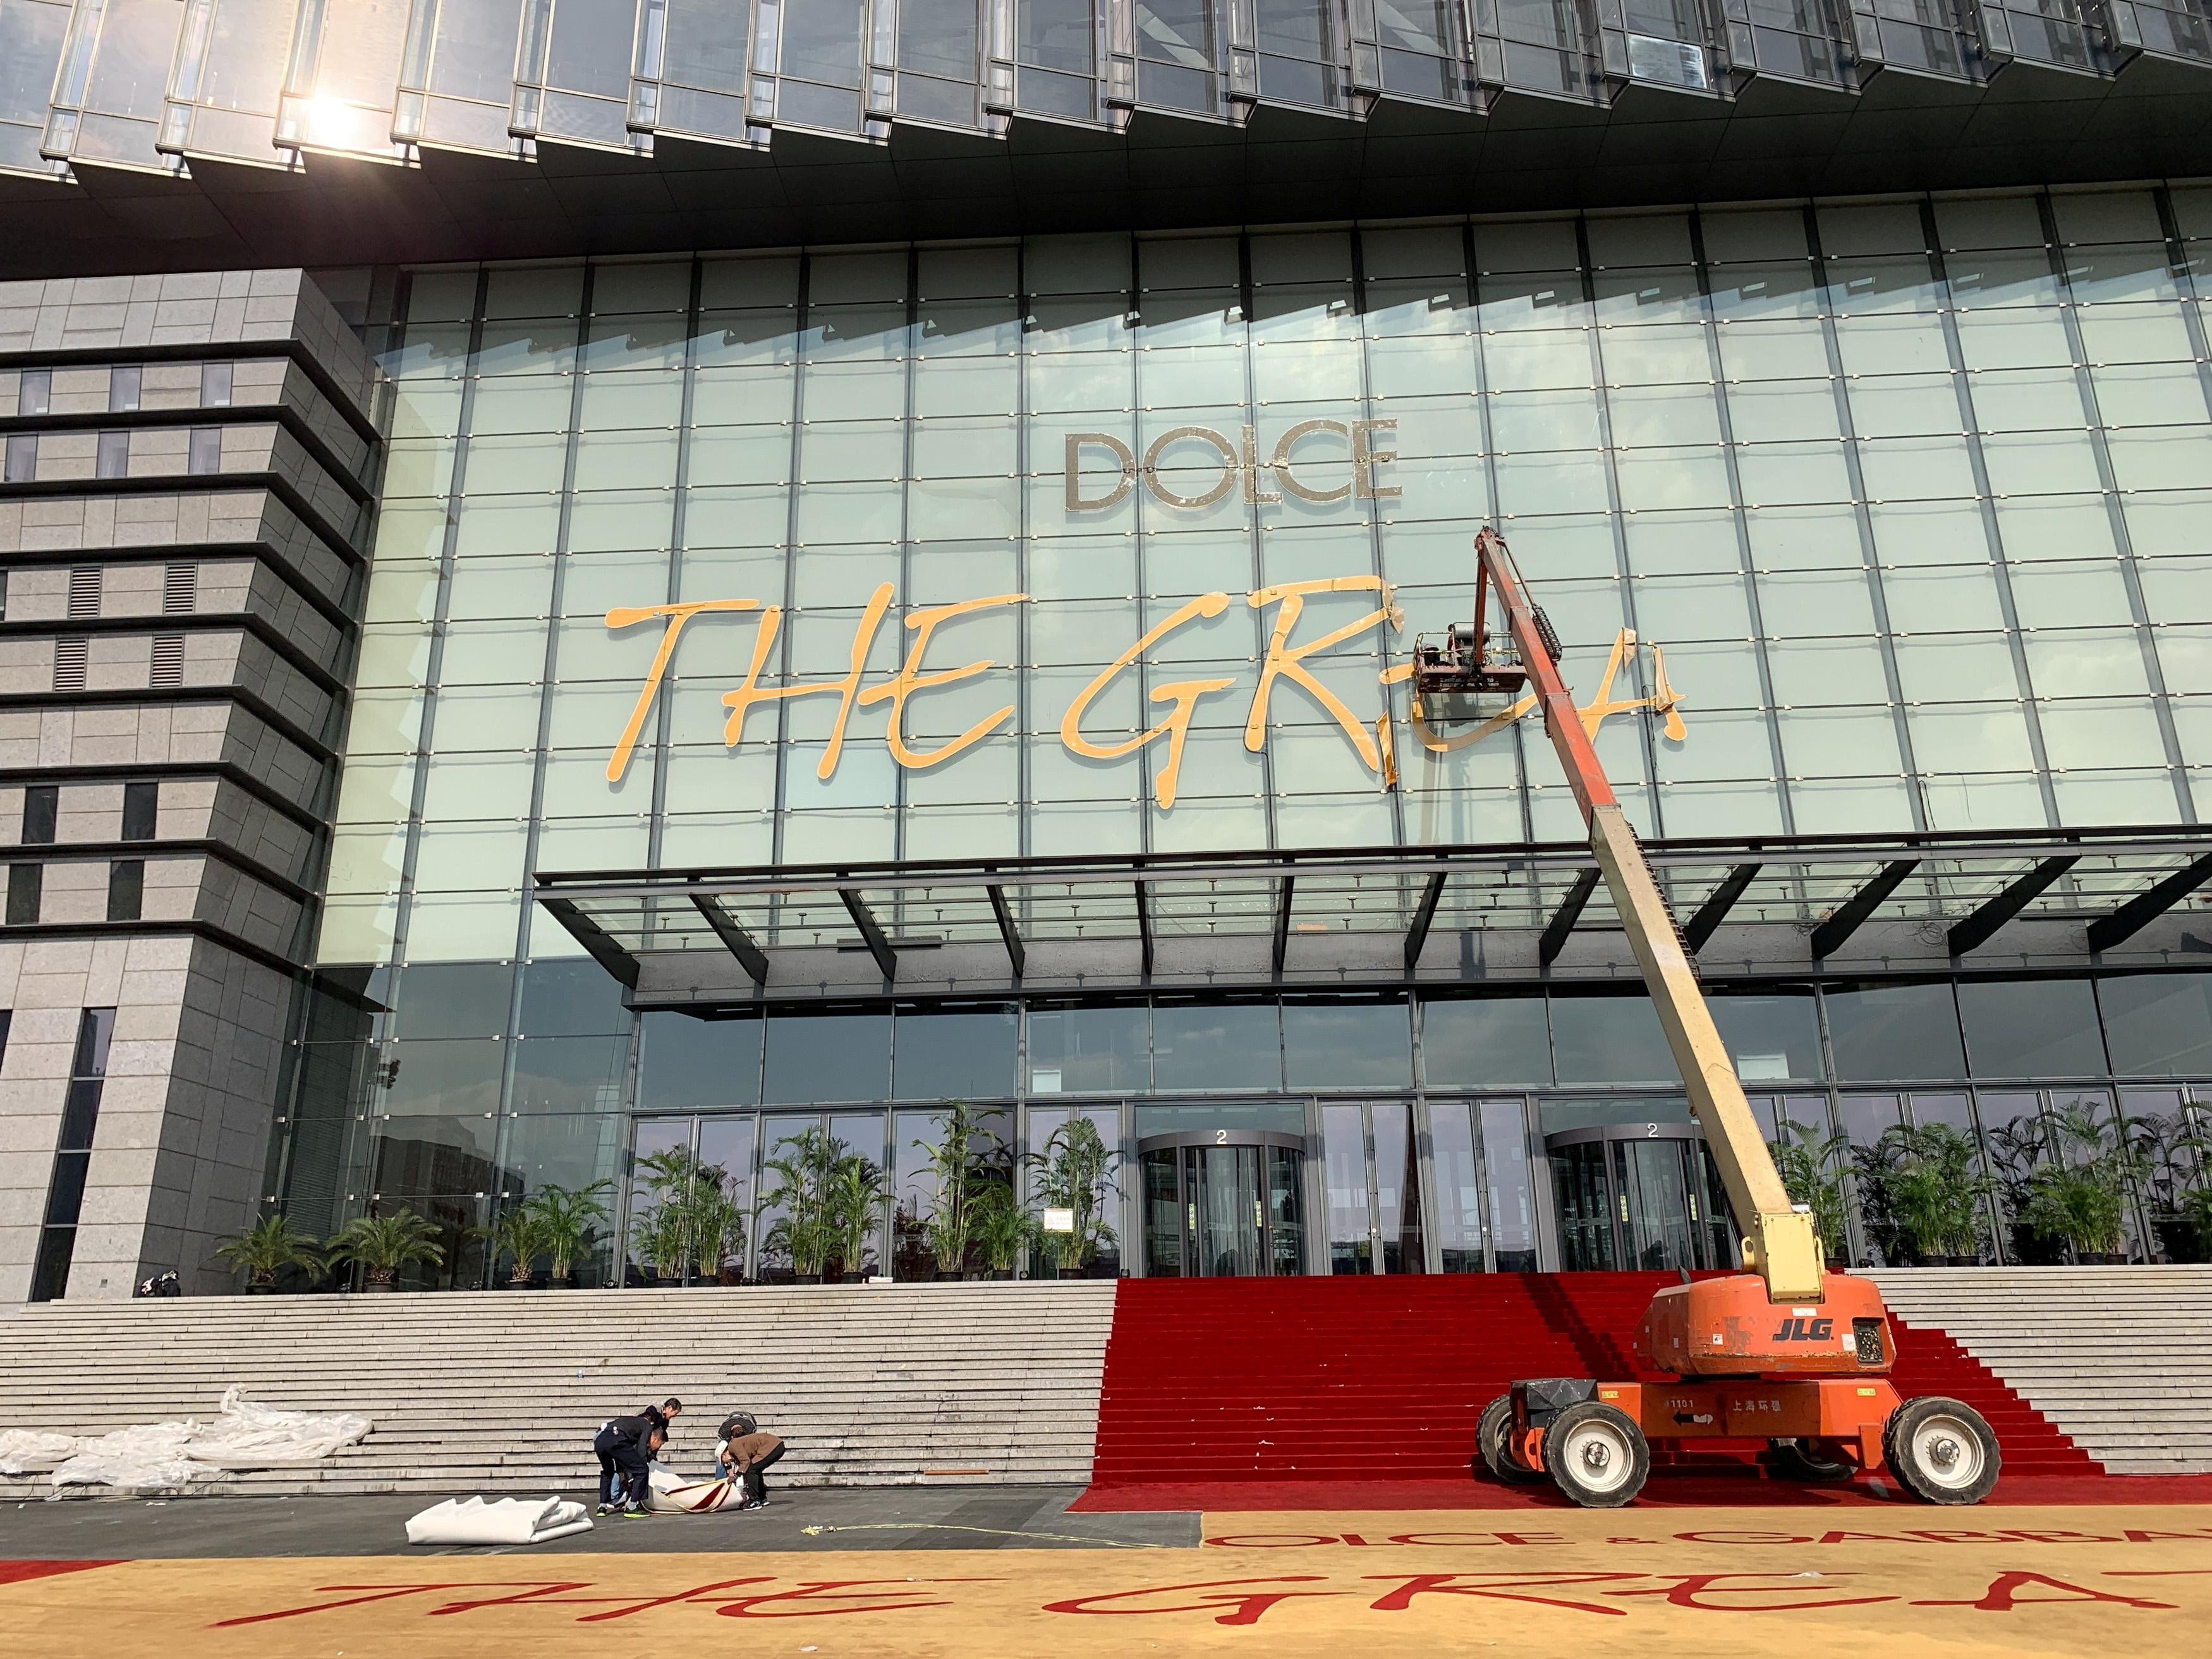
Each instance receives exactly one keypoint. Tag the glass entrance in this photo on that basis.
(1638, 1196)
(1223, 1206)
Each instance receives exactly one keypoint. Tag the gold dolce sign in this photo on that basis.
(1242, 468)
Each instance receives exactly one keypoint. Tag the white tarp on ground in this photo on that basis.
(508, 1521)
(244, 1435)
(25, 1451)
(670, 1490)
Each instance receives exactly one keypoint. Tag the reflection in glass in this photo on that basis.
(1512, 1193)
(1398, 1188)
(1459, 1200)
(1084, 1051)
(1880, 1032)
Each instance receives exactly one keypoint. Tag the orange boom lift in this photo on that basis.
(1783, 1351)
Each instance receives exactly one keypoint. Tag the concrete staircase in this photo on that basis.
(2118, 1359)
(500, 1392)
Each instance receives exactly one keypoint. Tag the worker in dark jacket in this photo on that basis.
(625, 1445)
(745, 1451)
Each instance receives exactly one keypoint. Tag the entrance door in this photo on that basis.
(1638, 1196)
(1223, 1205)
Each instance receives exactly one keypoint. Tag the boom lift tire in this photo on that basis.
(1942, 1451)
(1801, 1460)
(1596, 1456)
(1490, 1430)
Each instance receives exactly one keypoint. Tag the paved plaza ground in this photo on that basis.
(1011, 1572)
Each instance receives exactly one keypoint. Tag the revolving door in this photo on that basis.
(1223, 1203)
(1639, 1195)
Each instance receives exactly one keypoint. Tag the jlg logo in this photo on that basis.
(1805, 1330)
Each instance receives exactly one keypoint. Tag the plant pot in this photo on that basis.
(852, 1278)
(1002, 1272)
(2102, 1258)
(521, 1285)
(945, 1276)
(806, 1279)
(1074, 1272)
(2183, 1241)
(256, 1288)
(379, 1286)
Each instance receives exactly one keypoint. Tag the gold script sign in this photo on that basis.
(1285, 659)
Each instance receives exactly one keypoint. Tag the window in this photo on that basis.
(72, 1155)
(126, 889)
(113, 460)
(24, 883)
(41, 803)
(142, 804)
(3, 595)
(215, 385)
(124, 384)
(34, 392)
(206, 455)
(22, 457)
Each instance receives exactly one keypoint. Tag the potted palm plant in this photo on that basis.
(1075, 1173)
(1004, 1228)
(2081, 1198)
(950, 1226)
(566, 1218)
(1811, 1163)
(2018, 1152)
(380, 1245)
(804, 1167)
(1933, 1192)
(854, 1202)
(519, 1235)
(661, 1238)
(717, 1224)
(266, 1249)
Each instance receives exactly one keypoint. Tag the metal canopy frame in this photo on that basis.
(2114, 884)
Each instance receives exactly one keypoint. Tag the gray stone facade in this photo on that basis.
(190, 466)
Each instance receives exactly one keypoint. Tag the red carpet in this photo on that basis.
(1231, 1384)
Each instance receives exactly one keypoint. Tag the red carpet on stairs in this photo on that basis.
(1234, 1381)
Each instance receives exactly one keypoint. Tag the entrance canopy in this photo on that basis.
(706, 939)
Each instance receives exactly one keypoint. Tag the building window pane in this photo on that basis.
(1347, 1044)
(126, 889)
(1480, 1042)
(112, 457)
(698, 1062)
(22, 457)
(1894, 1031)
(1083, 1050)
(953, 1056)
(828, 1057)
(215, 385)
(1459, 1199)
(123, 387)
(41, 803)
(1603, 1039)
(23, 885)
(1216, 1046)
(1771, 1038)
(142, 805)
(2032, 1028)
(34, 392)
(206, 453)
(2157, 1024)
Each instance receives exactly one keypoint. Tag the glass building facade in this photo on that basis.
(1864, 518)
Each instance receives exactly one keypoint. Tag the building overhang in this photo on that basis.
(720, 940)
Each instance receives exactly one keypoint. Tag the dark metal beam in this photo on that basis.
(1424, 914)
(737, 942)
(864, 919)
(1145, 925)
(1282, 921)
(2139, 912)
(1974, 930)
(1714, 911)
(1562, 924)
(1852, 913)
(595, 940)
(1007, 931)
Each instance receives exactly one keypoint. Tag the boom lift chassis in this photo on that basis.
(1783, 1351)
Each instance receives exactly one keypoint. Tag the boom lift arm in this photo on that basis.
(1815, 1346)
(1781, 1243)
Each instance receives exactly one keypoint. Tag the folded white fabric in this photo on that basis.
(669, 1491)
(23, 1451)
(506, 1521)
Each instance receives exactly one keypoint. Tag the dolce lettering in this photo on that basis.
(1187, 454)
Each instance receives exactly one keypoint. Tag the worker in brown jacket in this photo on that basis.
(745, 1451)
